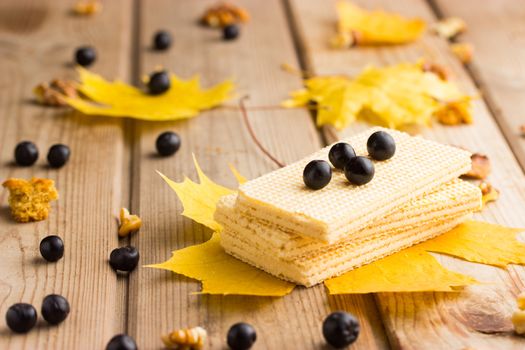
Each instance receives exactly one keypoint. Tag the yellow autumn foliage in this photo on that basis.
(410, 270)
(184, 99)
(377, 27)
(395, 96)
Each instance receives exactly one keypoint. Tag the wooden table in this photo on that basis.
(113, 166)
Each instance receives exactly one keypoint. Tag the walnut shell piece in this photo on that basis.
(185, 339)
(128, 223)
(481, 167)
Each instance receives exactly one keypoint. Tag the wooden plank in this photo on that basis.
(37, 41)
(433, 320)
(161, 301)
(496, 30)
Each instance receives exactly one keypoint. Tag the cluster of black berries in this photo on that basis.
(22, 317)
(358, 170)
(26, 154)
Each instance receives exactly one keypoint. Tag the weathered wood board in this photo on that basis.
(37, 43)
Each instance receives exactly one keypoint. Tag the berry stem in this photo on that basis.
(244, 113)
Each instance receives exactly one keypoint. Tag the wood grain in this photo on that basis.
(161, 301)
(37, 41)
(497, 32)
(433, 320)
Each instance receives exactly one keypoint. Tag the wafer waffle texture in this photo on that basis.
(418, 167)
(452, 198)
(309, 271)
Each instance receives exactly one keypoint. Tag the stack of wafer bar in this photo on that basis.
(277, 224)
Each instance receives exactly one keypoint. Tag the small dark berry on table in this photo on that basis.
(162, 40)
(58, 155)
(359, 170)
(340, 329)
(241, 336)
(85, 56)
(26, 153)
(231, 32)
(159, 82)
(55, 308)
(381, 145)
(21, 317)
(317, 174)
(52, 248)
(124, 258)
(121, 342)
(168, 143)
(340, 154)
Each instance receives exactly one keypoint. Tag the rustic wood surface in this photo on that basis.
(114, 163)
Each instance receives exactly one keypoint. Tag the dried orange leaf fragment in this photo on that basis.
(449, 27)
(455, 112)
(364, 27)
(184, 99)
(220, 273)
(480, 166)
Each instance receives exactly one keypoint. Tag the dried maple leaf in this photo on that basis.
(184, 99)
(480, 166)
(375, 27)
(395, 96)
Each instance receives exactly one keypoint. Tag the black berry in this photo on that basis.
(381, 145)
(359, 170)
(85, 56)
(26, 153)
(55, 308)
(159, 82)
(162, 40)
(124, 258)
(168, 143)
(241, 336)
(231, 32)
(58, 155)
(21, 317)
(121, 342)
(317, 174)
(340, 329)
(52, 248)
(340, 154)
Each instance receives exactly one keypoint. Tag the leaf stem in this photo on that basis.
(246, 120)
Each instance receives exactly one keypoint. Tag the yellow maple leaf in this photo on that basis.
(199, 199)
(220, 273)
(184, 99)
(377, 27)
(411, 270)
(395, 96)
(480, 242)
